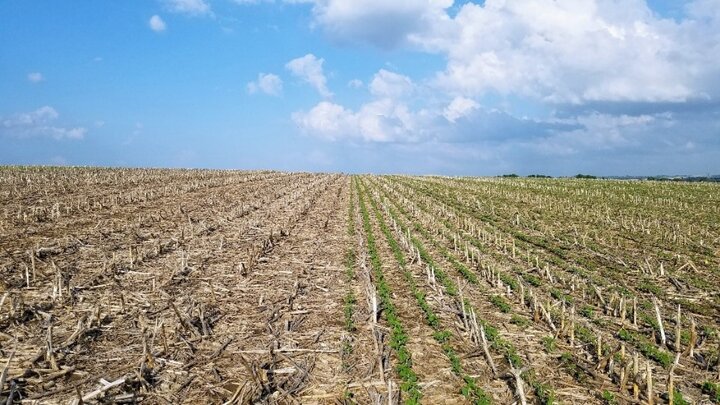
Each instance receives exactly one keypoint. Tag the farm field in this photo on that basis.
(202, 286)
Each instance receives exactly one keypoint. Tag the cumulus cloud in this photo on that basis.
(556, 51)
(386, 24)
(603, 132)
(465, 121)
(390, 84)
(381, 120)
(459, 107)
(646, 144)
(267, 83)
(156, 23)
(35, 77)
(704, 9)
(386, 118)
(189, 7)
(327, 120)
(38, 123)
(572, 51)
(310, 69)
(389, 117)
(526, 81)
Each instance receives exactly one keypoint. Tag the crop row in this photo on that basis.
(485, 330)
(453, 235)
(442, 336)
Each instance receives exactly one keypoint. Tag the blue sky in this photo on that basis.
(412, 86)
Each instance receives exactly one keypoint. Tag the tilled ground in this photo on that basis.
(206, 288)
(228, 287)
(439, 384)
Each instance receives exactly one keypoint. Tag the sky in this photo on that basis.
(557, 87)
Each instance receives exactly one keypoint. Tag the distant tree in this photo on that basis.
(585, 176)
(539, 176)
(510, 175)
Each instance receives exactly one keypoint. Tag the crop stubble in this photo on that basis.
(187, 286)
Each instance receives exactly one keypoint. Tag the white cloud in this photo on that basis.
(391, 120)
(379, 22)
(35, 77)
(310, 69)
(189, 7)
(156, 24)
(388, 120)
(38, 123)
(389, 84)
(382, 120)
(385, 118)
(605, 132)
(327, 120)
(572, 51)
(41, 115)
(524, 81)
(267, 83)
(553, 51)
(704, 9)
(459, 107)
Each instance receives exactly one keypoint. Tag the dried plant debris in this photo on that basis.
(238, 287)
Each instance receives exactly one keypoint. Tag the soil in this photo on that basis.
(234, 287)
